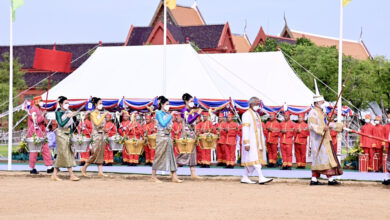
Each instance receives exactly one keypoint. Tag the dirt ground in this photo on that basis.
(134, 197)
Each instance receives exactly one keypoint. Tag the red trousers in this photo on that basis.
(175, 150)
(300, 154)
(129, 158)
(220, 156)
(206, 157)
(84, 156)
(149, 154)
(286, 154)
(45, 154)
(370, 151)
(229, 151)
(108, 155)
(272, 153)
(379, 151)
(199, 154)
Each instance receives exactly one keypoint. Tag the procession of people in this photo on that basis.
(259, 142)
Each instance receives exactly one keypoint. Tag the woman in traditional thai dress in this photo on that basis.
(189, 115)
(97, 152)
(165, 157)
(65, 156)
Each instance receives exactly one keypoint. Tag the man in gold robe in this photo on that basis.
(324, 159)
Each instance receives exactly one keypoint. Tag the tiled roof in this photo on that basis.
(187, 16)
(282, 39)
(204, 36)
(26, 53)
(32, 78)
(355, 49)
(241, 43)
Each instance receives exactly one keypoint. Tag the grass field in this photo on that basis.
(4, 150)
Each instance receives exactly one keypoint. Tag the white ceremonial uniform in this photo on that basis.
(252, 136)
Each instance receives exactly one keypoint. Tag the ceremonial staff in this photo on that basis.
(333, 110)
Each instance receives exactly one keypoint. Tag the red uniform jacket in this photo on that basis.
(333, 135)
(206, 127)
(378, 131)
(110, 129)
(233, 130)
(149, 128)
(301, 137)
(177, 128)
(289, 126)
(272, 136)
(366, 129)
(131, 129)
(85, 128)
(222, 132)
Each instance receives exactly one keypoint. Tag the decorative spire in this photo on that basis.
(245, 27)
(361, 33)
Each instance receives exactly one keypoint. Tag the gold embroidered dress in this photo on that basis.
(325, 161)
(97, 152)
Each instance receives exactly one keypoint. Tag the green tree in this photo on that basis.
(369, 79)
(18, 84)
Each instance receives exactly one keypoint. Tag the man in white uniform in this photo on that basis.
(253, 143)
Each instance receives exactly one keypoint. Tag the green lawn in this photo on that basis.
(4, 150)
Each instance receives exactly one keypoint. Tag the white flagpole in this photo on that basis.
(340, 76)
(10, 104)
(165, 50)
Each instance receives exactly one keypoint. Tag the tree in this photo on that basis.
(369, 80)
(18, 83)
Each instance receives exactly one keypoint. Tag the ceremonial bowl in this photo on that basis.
(80, 144)
(134, 146)
(208, 141)
(114, 144)
(35, 146)
(185, 145)
(152, 141)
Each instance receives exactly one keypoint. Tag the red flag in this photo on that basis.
(52, 60)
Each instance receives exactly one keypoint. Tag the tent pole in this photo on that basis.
(165, 51)
(10, 103)
(340, 78)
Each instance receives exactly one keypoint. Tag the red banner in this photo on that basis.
(52, 60)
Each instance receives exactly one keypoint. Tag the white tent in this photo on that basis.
(137, 72)
(269, 74)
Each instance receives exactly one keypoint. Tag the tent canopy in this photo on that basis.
(137, 72)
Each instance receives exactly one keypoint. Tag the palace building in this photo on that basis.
(185, 25)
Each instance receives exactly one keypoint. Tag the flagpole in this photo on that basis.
(340, 74)
(165, 50)
(10, 102)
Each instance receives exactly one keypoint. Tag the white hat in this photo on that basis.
(317, 97)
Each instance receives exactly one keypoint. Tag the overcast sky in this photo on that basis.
(86, 21)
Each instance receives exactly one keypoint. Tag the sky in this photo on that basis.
(89, 21)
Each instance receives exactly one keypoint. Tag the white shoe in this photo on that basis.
(247, 181)
(264, 180)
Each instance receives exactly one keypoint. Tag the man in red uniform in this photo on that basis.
(378, 131)
(387, 133)
(85, 128)
(300, 141)
(198, 126)
(109, 130)
(272, 133)
(366, 142)
(206, 127)
(333, 133)
(287, 128)
(132, 129)
(177, 128)
(221, 157)
(123, 129)
(149, 129)
(232, 129)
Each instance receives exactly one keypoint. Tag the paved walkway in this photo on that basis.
(214, 171)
